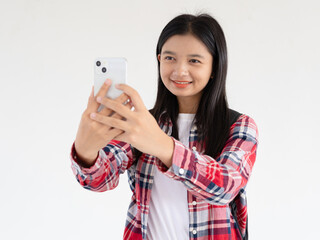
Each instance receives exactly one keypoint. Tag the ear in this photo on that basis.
(159, 57)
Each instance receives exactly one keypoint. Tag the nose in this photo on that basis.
(180, 70)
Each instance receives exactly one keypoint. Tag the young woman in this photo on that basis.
(189, 158)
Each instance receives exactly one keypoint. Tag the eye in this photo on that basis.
(194, 61)
(168, 58)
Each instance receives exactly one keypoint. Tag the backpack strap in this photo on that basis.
(233, 117)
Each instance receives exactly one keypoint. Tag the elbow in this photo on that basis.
(221, 200)
(221, 196)
(99, 186)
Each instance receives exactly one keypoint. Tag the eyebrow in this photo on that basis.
(190, 55)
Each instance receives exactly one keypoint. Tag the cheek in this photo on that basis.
(201, 78)
(162, 75)
(206, 74)
(164, 72)
(161, 71)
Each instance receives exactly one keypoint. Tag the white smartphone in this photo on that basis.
(112, 68)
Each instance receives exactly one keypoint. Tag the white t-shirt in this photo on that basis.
(169, 217)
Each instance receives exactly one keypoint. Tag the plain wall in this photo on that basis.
(47, 50)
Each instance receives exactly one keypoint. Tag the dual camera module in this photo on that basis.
(104, 69)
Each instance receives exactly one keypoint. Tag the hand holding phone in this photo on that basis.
(91, 137)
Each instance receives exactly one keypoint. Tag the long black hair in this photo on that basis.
(212, 115)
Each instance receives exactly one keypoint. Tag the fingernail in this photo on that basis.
(99, 99)
(117, 85)
(107, 82)
(92, 115)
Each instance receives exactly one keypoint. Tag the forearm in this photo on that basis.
(204, 176)
(164, 149)
(85, 161)
(217, 180)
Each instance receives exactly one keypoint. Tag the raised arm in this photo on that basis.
(218, 181)
(96, 159)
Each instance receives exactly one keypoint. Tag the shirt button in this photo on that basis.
(194, 203)
(194, 148)
(181, 171)
(194, 231)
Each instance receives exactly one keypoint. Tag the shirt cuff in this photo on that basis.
(182, 159)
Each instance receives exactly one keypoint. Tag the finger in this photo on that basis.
(109, 121)
(121, 99)
(115, 132)
(94, 105)
(124, 99)
(133, 94)
(116, 107)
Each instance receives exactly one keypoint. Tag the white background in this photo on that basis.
(46, 72)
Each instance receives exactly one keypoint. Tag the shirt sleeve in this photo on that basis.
(217, 181)
(112, 161)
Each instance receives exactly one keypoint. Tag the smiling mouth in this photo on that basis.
(182, 82)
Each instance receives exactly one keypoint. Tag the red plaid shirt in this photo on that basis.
(211, 183)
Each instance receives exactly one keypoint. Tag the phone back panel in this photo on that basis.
(112, 68)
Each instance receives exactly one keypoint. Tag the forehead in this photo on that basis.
(185, 44)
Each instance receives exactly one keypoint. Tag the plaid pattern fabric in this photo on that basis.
(211, 183)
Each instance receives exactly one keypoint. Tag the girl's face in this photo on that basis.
(185, 67)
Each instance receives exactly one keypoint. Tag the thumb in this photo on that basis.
(93, 105)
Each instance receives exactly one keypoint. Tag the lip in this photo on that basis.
(181, 84)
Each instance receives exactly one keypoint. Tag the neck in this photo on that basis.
(188, 104)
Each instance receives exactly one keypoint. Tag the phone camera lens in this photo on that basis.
(104, 69)
(98, 63)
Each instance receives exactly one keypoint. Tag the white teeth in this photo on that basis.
(183, 82)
